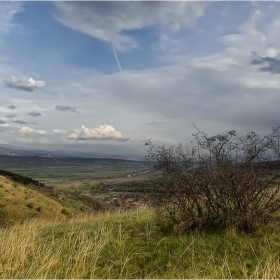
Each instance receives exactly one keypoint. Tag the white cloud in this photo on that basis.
(7, 12)
(102, 132)
(59, 131)
(26, 129)
(24, 83)
(107, 20)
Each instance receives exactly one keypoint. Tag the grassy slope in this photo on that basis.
(133, 244)
(18, 202)
(127, 244)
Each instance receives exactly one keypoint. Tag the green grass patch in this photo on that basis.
(133, 244)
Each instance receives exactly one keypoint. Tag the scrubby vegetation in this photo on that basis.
(20, 178)
(221, 181)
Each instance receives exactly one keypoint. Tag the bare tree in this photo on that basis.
(219, 181)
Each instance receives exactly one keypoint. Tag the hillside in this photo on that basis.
(18, 202)
(130, 245)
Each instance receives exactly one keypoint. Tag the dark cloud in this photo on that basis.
(11, 116)
(12, 107)
(271, 64)
(34, 114)
(65, 108)
(52, 92)
(24, 83)
(2, 122)
(20, 121)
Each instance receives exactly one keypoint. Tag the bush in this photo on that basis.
(65, 211)
(20, 178)
(223, 181)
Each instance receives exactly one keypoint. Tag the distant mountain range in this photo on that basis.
(10, 150)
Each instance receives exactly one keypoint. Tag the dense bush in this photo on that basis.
(220, 181)
(20, 178)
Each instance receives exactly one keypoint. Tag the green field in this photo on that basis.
(84, 179)
(53, 169)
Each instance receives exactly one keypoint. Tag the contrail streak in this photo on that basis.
(116, 57)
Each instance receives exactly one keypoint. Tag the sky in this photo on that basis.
(107, 76)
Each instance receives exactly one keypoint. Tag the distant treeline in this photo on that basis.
(128, 186)
(20, 178)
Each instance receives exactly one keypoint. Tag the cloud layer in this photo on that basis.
(107, 21)
(183, 62)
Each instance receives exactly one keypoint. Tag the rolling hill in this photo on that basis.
(22, 198)
(19, 202)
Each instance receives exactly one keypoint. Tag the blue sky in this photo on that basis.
(108, 76)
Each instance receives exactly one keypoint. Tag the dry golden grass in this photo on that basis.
(18, 202)
(131, 244)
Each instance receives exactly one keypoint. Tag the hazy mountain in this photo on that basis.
(10, 150)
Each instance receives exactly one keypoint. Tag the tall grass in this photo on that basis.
(133, 244)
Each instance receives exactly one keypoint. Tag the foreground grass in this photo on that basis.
(133, 244)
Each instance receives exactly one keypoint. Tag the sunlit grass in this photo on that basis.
(133, 244)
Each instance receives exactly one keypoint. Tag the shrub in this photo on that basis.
(64, 211)
(220, 181)
(20, 178)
